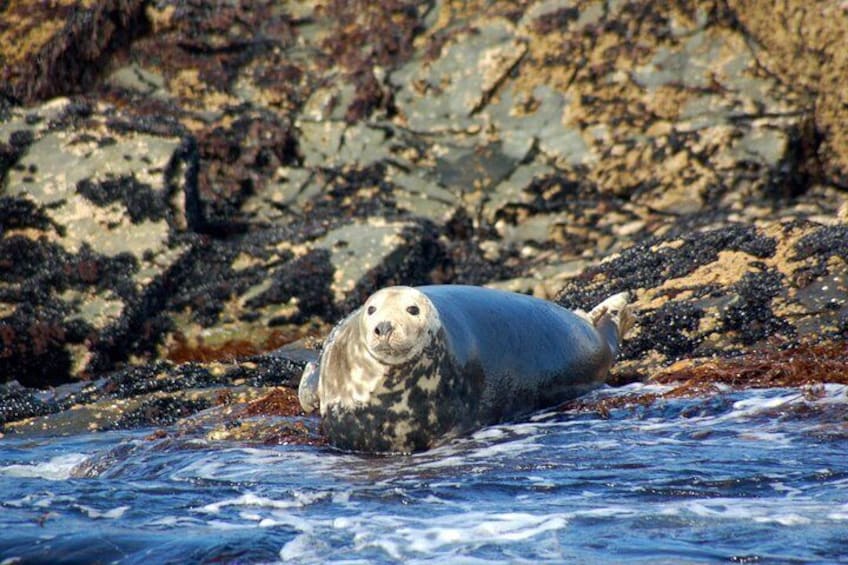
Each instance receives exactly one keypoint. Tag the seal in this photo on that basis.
(414, 366)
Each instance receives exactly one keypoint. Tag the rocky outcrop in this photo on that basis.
(716, 292)
(155, 394)
(234, 177)
(802, 46)
(96, 213)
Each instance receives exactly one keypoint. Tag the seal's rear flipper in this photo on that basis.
(614, 318)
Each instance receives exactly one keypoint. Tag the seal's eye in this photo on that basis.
(371, 310)
(413, 310)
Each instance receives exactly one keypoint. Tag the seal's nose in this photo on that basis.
(383, 329)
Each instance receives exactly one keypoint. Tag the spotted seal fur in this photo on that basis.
(413, 366)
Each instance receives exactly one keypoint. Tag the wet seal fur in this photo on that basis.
(414, 366)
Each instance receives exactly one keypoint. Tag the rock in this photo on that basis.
(58, 49)
(536, 118)
(156, 394)
(266, 288)
(443, 94)
(94, 208)
(800, 45)
(18, 403)
(726, 291)
(421, 194)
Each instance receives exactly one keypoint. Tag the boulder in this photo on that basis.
(96, 209)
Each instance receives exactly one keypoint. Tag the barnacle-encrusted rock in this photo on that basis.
(726, 291)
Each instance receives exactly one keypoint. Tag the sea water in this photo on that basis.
(751, 477)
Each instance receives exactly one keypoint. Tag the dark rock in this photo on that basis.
(18, 403)
(671, 330)
(308, 280)
(59, 49)
(154, 394)
(750, 312)
(652, 263)
(235, 161)
(162, 411)
(724, 292)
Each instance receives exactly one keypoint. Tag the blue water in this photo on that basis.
(759, 476)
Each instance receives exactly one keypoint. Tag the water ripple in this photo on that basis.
(745, 476)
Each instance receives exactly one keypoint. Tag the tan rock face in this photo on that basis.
(803, 45)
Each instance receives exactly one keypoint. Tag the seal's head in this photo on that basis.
(397, 323)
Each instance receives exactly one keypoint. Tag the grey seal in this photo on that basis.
(416, 365)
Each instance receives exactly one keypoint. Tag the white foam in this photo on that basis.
(445, 461)
(608, 512)
(759, 403)
(222, 525)
(790, 491)
(254, 464)
(511, 448)
(482, 528)
(397, 536)
(784, 520)
(719, 507)
(755, 403)
(58, 468)
(768, 400)
(494, 444)
(774, 439)
(788, 512)
(296, 521)
(40, 500)
(301, 548)
(839, 515)
(490, 433)
(94, 513)
(175, 521)
(298, 500)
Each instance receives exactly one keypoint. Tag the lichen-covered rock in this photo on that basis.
(272, 286)
(802, 45)
(237, 74)
(93, 211)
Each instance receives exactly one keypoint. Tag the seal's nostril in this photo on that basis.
(383, 328)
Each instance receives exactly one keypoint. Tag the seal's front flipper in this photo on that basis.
(613, 318)
(307, 391)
